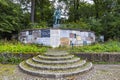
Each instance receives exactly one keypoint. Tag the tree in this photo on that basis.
(32, 11)
(79, 9)
(73, 5)
(108, 13)
(44, 11)
(11, 17)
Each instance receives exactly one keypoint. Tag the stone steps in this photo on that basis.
(55, 65)
(60, 65)
(56, 57)
(54, 73)
(37, 59)
(55, 54)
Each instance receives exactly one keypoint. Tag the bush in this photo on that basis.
(40, 25)
(82, 25)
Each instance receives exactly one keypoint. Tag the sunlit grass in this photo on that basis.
(17, 47)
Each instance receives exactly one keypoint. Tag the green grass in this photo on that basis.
(17, 47)
(110, 46)
(7, 69)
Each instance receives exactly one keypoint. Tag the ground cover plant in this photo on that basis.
(110, 46)
(17, 47)
(10, 59)
(9, 50)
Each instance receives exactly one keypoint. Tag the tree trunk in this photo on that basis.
(74, 10)
(97, 9)
(32, 11)
(76, 7)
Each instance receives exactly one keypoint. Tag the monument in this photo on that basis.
(57, 18)
(56, 64)
(55, 36)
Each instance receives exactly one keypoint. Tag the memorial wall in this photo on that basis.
(57, 37)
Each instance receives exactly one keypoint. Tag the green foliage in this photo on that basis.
(40, 25)
(8, 50)
(12, 19)
(107, 12)
(80, 9)
(111, 25)
(95, 25)
(82, 25)
(11, 16)
(43, 13)
(17, 47)
(102, 17)
(110, 46)
(9, 58)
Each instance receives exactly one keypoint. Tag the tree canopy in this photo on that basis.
(102, 17)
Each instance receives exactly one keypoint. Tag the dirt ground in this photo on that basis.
(100, 72)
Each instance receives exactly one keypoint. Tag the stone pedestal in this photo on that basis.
(56, 25)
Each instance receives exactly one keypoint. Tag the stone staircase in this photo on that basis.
(55, 64)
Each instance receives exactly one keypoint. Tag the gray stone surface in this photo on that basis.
(100, 72)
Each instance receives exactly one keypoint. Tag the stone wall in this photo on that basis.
(94, 57)
(18, 55)
(100, 57)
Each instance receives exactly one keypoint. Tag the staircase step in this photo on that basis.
(56, 54)
(55, 64)
(54, 73)
(55, 57)
(37, 59)
(55, 67)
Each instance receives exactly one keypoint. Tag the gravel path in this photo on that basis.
(100, 72)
